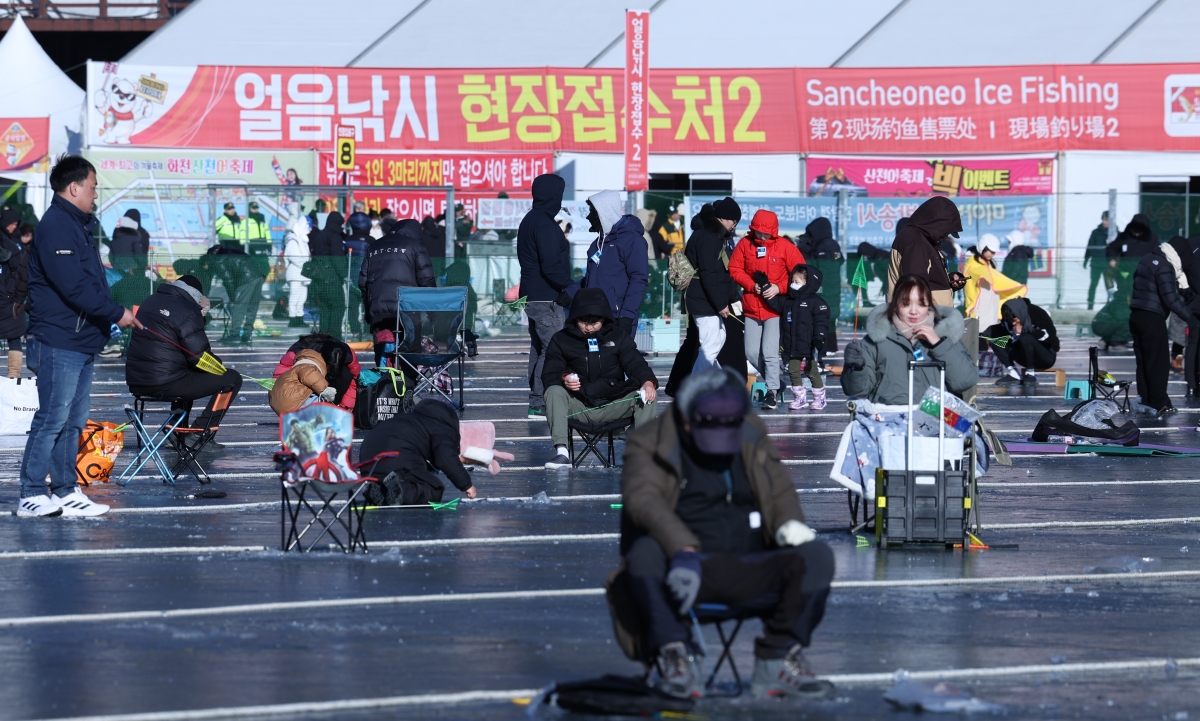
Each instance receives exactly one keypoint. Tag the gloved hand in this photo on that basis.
(853, 356)
(563, 299)
(328, 394)
(684, 579)
(625, 324)
(794, 533)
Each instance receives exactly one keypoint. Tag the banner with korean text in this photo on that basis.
(637, 53)
(914, 177)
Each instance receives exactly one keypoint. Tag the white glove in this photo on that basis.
(735, 308)
(794, 533)
(330, 393)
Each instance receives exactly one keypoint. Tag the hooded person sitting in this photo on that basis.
(163, 356)
(590, 363)
(710, 515)
(313, 377)
(617, 259)
(1031, 341)
(428, 441)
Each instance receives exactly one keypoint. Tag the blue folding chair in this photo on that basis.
(150, 445)
(423, 367)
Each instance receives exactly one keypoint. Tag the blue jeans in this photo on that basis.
(64, 390)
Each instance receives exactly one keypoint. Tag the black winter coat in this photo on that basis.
(1156, 289)
(397, 260)
(804, 318)
(611, 372)
(1040, 326)
(151, 361)
(329, 240)
(711, 289)
(427, 439)
(14, 287)
(1135, 241)
(542, 249)
(1016, 263)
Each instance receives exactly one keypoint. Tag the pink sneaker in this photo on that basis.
(800, 398)
(818, 403)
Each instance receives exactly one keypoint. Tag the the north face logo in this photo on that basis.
(164, 311)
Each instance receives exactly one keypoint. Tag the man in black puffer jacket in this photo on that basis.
(161, 361)
(827, 257)
(589, 363)
(397, 260)
(711, 291)
(428, 440)
(1156, 294)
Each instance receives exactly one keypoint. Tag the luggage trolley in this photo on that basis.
(928, 499)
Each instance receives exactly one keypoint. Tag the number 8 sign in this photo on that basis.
(344, 152)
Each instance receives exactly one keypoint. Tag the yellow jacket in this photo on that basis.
(673, 234)
(1005, 287)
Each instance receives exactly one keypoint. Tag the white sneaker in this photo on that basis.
(77, 504)
(37, 506)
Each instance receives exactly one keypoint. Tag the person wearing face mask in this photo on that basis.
(709, 296)
(761, 264)
(590, 363)
(909, 327)
(162, 357)
(617, 260)
(295, 254)
(804, 316)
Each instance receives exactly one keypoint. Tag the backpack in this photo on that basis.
(1090, 422)
(680, 271)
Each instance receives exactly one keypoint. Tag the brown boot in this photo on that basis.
(14, 363)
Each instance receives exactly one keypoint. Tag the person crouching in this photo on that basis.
(310, 379)
(590, 363)
(428, 441)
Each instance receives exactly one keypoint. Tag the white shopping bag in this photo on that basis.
(18, 403)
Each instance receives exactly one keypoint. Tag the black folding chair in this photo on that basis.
(720, 615)
(425, 368)
(592, 434)
(189, 441)
(1109, 391)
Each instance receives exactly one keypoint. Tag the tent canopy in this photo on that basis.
(684, 33)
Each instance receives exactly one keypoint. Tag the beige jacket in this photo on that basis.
(304, 378)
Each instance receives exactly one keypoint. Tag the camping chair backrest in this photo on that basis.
(430, 300)
(320, 436)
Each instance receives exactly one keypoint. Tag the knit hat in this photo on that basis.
(190, 280)
(727, 209)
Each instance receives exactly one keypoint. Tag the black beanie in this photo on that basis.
(192, 281)
(727, 209)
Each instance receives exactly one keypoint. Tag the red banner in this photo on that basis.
(465, 172)
(921, 178)
(25, 142)
(921, 111)
(637, 53)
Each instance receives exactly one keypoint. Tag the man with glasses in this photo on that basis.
(594, 372)
(711, 516)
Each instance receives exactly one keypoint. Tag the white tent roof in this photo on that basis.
(36, 88)
(684, 33)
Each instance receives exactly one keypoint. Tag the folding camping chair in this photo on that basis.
(592, 434)
(1109, 391)
(426, 367)
(719, 615)
(322, 490)
(503, 313)
(150, 445)
(189, 441)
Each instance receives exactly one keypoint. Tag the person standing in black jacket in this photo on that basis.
(545, 258)
(162, 357)
(1097, 244)
(827, 256)
(1157, 282)
(327, 269)
(708, 297)
(398, 259)
(1127, 249)
(590, 363)
(14, 288)
(427, 440)
(1189, 258)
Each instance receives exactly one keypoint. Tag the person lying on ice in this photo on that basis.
(428, 442)
(711, 516)
(590, 363)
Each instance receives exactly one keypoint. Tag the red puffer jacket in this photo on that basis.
(774, 256)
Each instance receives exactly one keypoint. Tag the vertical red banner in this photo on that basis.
(637, 89)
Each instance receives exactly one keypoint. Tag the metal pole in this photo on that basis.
(1059, 240)
(1112, 214)
(449, 224)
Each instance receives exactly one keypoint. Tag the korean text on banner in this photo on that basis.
(916, 177)
(474, 171)
(637, 53)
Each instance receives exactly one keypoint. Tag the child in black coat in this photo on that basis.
(804, 318)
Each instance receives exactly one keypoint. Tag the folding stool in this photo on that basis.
(150, 445)
(592, 434)
(201, 434)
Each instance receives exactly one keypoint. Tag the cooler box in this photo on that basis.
(667, 333)
(643, 337)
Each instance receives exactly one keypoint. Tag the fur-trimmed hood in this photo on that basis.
(710, 222)
(949, 325)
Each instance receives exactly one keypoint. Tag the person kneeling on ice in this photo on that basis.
(594, 372)
(314, 376)
(712, 516)
(428, 441)
(805, 316)
(1031, 341)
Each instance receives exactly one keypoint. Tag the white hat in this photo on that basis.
(987, 241)
(1015, 238)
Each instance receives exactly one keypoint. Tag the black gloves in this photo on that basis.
(563, 299)
(683, 579)
(852, 356)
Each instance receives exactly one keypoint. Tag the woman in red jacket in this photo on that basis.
(760, 264)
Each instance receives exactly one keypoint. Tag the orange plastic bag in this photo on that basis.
(99, 446)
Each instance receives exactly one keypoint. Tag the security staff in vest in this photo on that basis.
(229, 226)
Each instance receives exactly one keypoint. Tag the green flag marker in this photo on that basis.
(518, 304)
(1001, 342)
(860, 273)
(616, 505)
(448, 506)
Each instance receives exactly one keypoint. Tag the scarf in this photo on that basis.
(1176, 263)
(907, 330)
